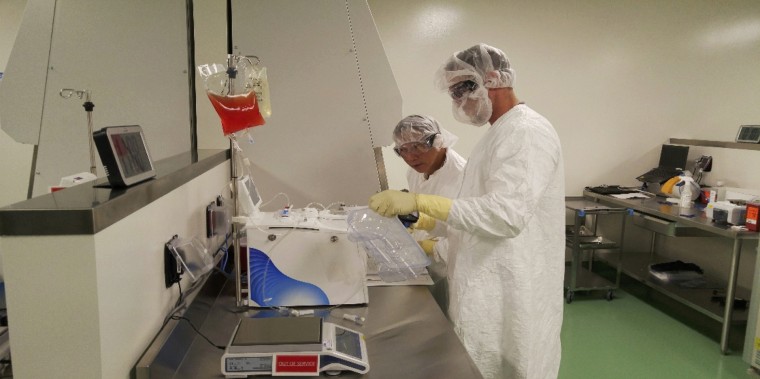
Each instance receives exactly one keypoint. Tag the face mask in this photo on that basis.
(475, 109)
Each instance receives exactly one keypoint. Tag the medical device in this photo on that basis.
(288, 346)
(248, 196)
(726, 212)
(303, 257)
(124, 154)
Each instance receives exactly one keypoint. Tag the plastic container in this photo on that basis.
(385, 239)
(752, 216)
(193, 257)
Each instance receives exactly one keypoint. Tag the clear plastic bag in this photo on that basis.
(192, 255)
(232, 89)
(395, 252)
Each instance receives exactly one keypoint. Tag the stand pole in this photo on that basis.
(235, 226)
(88, 107)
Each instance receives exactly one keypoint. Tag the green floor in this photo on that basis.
(629, 338)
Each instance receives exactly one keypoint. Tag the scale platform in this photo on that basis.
(293, 346)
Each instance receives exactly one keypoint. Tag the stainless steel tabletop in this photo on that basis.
(692, 217)
(407, 336)
(90, 207)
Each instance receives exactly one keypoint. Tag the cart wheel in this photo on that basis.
(569, 296)
(610, 295)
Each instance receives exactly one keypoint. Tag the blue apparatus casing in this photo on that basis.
(303, 258)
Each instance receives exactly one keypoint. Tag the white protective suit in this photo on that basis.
(445, 181)
(506, 236)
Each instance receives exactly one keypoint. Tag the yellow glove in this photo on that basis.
(433, 205)
(427, 246)
(424, 222)
(391, 203)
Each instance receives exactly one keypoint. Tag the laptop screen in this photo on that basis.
(673, 156)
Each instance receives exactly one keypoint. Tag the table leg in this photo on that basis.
(730, 295)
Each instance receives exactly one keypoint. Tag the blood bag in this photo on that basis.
(231, 88)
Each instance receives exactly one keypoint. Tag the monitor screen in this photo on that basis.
(248, 195)
(674, 156)
(130, 153)
(124, 155)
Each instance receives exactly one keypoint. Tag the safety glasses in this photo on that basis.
(460, 90)
(422, 146)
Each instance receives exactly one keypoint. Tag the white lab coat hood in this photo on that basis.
(506, 263)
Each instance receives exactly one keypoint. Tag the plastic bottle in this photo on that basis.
(687, 201)
(718, 193)
(385, 239)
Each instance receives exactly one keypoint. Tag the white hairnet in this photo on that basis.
(468, 74)
(485, 65)
(416, 128)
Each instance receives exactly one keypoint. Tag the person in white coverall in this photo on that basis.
(506, 226)
(434, 168)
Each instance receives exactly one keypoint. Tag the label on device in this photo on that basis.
(296, 365)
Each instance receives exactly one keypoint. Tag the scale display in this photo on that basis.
(348, 342)
(243, 364)
(288, 346)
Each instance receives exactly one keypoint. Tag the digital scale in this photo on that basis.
(293, 346)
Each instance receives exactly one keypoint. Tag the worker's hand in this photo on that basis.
(424, 222)
(436, 206)
(427, 246)
(391, 203)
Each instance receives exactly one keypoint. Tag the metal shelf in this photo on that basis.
(581, 237)
(723, 144)
(636, 266)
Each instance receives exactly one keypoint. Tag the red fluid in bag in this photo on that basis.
(237, 112)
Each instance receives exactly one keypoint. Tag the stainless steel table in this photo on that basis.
(407, 336)
(690, 222)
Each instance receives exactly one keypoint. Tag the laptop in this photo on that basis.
(673, 160)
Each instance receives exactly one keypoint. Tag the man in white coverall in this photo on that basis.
(434, 168)
(506, 226)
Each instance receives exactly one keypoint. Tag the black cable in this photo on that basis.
(179, 299)
(197, 331)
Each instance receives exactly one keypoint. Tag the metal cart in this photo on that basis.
(582, 239)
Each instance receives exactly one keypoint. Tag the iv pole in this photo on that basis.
(66, 93)
(231, 71)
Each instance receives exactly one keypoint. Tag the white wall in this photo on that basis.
(616, 78)
(210, 47)
(15, 158)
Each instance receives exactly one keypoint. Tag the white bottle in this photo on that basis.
(717, 193)
(687, 200)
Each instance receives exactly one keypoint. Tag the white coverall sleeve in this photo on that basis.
(524, 161)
